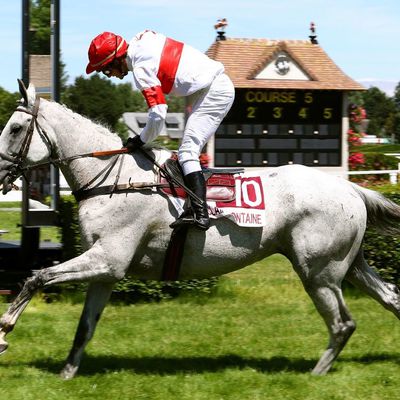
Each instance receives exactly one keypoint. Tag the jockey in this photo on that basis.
(162, 66)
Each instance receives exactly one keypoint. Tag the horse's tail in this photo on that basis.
(382, 213)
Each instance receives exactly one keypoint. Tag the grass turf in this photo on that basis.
(256, 338)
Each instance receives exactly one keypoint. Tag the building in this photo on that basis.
(173, 127)
(290, 105)
(40, 74)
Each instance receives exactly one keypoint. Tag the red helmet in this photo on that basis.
(103, 49)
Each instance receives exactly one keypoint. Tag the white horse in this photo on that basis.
(316, 220)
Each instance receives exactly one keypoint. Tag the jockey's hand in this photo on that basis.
(133, 143)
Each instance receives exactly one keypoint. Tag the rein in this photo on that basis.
(17, 169)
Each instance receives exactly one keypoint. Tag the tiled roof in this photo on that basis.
(245, 58)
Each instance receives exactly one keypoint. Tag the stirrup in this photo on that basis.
(202, 223)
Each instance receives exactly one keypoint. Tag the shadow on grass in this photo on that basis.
(172, 365)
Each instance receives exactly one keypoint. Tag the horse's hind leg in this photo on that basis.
(362, 276)
(324, 289)
(329, 302)
(97, 297)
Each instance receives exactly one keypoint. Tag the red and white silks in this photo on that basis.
(161, 66)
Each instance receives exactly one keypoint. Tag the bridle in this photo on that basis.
(17, 159)
(17, 167)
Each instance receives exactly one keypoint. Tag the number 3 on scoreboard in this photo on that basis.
(277, 112)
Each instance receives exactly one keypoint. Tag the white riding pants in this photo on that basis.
(208, 108)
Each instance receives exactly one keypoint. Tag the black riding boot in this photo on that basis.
(199, 217)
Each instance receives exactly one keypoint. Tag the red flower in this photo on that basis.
(356, 159)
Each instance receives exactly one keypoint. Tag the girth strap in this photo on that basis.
(83, 194)
(174, 254)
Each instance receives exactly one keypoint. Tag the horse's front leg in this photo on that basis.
(96, 264)
(97, 297)
(10, 317)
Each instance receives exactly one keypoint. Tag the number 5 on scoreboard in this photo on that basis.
(328, 112)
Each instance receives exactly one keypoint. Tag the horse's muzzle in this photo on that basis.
(5, 177)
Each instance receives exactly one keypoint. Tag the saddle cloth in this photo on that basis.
(230, 193)
(220, 183)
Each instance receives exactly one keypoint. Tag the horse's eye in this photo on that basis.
(15, 128)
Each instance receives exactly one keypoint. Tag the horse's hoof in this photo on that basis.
(68, 372)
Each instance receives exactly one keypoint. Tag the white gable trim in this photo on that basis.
(283, 67)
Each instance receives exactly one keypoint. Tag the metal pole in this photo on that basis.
(30, 236)
(55, 49)
(55, 88)
(25, 42)
(25, 78)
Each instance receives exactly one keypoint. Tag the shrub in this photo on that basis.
(378, 161)
(383, 252)
(69, 228)
(372, 162)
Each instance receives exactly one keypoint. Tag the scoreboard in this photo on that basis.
(279, 127)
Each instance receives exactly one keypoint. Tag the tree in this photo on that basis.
(396, 96)
(380, 111)
(8, 102)
(41, 32)
(96, 98)
(176, 104)
(40, 27)
(132, 100)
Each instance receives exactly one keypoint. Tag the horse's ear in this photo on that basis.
(28, 95)
(23, 91)
(31, 94)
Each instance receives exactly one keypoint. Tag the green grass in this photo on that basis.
(257, 338)
(10, 219)
(379, 148)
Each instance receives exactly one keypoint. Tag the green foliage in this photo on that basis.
(41, 32)
(378, 161)
(382, 251)
(122, 130)
(40, 27)
(133, 291)
(132, 100)
(69, 227)
(383, 112)
(375, 161)
(379, 148)
(99, 99)
(396, 96)
(176, 104)
(8, 103)
(95, 98)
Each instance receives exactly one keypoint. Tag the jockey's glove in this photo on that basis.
(133, 143)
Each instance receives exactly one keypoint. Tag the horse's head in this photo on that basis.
(22, 142)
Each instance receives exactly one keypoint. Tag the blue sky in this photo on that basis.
(361, 36)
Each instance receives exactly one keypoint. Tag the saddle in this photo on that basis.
(220, 182)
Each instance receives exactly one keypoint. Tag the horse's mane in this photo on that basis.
(103, 129)
(86, 122)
